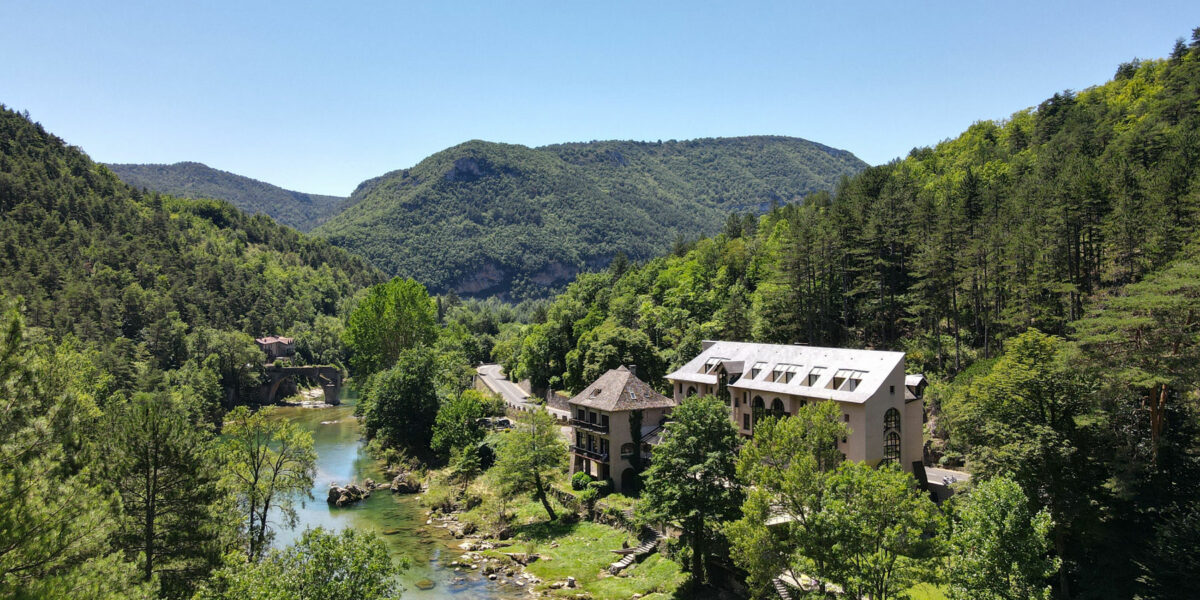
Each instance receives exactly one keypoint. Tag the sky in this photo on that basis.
(320, 96)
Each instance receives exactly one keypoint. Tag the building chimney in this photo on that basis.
(632, 369)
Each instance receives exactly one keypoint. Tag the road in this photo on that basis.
(514, 397)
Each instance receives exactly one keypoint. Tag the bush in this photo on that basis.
(440, 496)
(580, 481)
(603, 488)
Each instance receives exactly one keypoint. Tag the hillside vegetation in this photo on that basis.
(146, 276)
(497, 219)
(1077, 218)
(195, 180)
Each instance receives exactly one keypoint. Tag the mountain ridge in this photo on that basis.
(191, 179)
(489, 218)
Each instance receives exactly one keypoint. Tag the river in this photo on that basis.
(398, 519)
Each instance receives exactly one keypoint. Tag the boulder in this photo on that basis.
(341, 496)
(406, 483)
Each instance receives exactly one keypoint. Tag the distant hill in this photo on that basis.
(135, 272)
(195, 180)
(483, 218)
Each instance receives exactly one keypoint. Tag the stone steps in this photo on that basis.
(646, 547)
(782, 589)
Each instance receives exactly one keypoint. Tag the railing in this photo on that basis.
(588, 425)
(592, 454)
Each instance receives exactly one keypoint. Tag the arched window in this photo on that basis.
(891, 448)
(891, 420)
(691, 392)
(758, 408)
(777, 407)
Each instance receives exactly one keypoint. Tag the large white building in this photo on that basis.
(881, 405)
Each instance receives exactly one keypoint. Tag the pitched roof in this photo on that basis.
(868, 367)
(272, 339)
(619, 389)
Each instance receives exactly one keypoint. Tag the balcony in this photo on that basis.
(592, 454)
(593, 427)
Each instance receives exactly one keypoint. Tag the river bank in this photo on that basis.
(398, 519)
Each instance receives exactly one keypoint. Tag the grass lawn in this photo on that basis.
(584, 551)
(926, 591)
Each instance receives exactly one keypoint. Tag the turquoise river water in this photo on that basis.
(399, 519)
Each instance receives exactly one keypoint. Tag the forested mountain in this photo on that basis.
(195, 180)
(1076, 218)
(126, 332)
(497, 219)
(145, 277)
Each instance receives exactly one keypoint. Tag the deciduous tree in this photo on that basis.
(999, 549)
(883, 530)
(693, 478)
(529, 455)
(269, 460)
(786, 467)
(391, 318)
(321, 565)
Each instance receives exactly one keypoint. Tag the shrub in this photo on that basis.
(580, 481)
(440, 496)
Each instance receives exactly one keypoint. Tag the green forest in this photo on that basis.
(1043, 271)
(1074, 222)
(153, 282)
(485, 219)
(194, 180)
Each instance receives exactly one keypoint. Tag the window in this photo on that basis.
(813, 376)
(891, 448)
(603, 446)
(892, 390)
(846, 380)
(580, 414)
(626, 450)
(746, 421)
(758, 367)
(604, 420)
(891, 420)
(579, 439)
(632, 396)
(784, 373)
(777, 408)
(591, 417)
(710, 365)
(758, 408)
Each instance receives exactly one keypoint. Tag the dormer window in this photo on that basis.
(710, 365)
(783, 373)
(846, 380)
(815, 374)
(758, 367)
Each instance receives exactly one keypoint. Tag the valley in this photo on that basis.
(744, 367)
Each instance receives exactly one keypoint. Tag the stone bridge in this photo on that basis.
(281, 381)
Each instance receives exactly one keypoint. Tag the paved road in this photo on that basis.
(514, 397)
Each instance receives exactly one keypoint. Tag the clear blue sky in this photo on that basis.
(320, 96)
